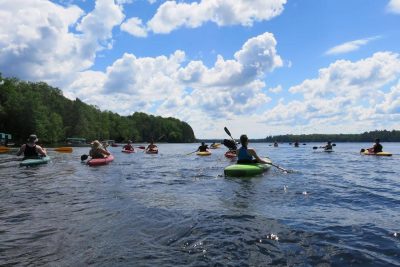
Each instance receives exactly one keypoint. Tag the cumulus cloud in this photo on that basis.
(172, 15)
(394, 6)
(349, 46)
(135, 27)
(229, 87)
(36, 42)
(346, 94)
(276, 89)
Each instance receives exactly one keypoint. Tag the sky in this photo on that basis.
(258, 67)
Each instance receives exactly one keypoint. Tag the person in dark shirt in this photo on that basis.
(128, 146)
(30, 149)
(328, 146)
(377, 147)
(203, 147)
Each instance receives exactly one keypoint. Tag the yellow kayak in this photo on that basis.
(205, 153)
(383, 154)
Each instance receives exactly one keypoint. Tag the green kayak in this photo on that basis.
(34, 162)
(240, 170)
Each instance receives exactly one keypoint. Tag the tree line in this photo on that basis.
(36, 107)
(383, 135)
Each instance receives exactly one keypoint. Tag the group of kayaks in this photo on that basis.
(108, 159)
(234, 170)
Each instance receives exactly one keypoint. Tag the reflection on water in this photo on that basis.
(174, 209)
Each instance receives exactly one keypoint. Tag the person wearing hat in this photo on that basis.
(129, 146)
(97, 151)
(30, 149)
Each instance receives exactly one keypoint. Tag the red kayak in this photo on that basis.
(230, 154)
(128, 151)
(103, 161)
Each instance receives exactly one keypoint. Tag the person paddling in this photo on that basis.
(151, 146)
(30, 149)
(328, 146)
(202, 148)
(377, 147)
(128, 146)
(296, 144)
(97, 151)
(247, 155)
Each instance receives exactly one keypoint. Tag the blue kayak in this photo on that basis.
(35, 161)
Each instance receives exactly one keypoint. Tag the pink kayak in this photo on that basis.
(128, 151)
(103, 161)
(230, 154)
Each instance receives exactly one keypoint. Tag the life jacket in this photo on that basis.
(377, 148)
(96, 154)
(30, 151)
(244, 155)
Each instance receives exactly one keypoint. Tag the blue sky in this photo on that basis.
(266, 68)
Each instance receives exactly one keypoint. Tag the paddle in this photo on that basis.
(191, 153)
(280, 168)
(66, 149)
(315, 147)
(229, 133)
(84, 157)
(276, 166)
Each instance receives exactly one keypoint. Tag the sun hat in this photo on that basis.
(96, 143)
(33, 138)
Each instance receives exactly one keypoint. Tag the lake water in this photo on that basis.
(173, 209)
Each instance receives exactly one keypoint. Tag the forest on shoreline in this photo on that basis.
(383, 135)
(36, 107)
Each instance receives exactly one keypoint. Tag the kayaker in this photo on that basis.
(328, 146)
(377, 147)
(296, 144)
(128, 146)
(275, 144)
(247, 155)
(203, 147)
(97, 151)
(30, 149)
(151, 146)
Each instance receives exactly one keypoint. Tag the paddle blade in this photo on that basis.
(314, 147)
(333, 144)
(362, 150)
(141, 147)
(84, 157)
(227, 131)
(4, 149)
(63, 149)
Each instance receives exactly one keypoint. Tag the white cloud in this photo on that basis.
(394, 6)
(36, 42)
(345, 97)
(349, 46)
(135, 27)
(276, 89)
(172, 15)
(230, 87)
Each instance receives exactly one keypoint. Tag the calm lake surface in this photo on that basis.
(173, 209)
